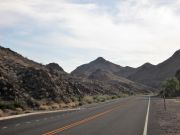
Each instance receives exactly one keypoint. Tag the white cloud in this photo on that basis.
(139, 31)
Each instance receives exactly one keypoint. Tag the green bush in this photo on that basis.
(114, 97)
(88, 99)
(170, 88)
(103, 98)
(11, 106)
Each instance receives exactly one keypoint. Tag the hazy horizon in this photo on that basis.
(75, 32)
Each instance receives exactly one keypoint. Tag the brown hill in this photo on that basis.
(147, 74)
(27, 82)
(54, 66)
(31, 84)
(154, 75)
(106, 76)
(100, 63)
(126, 71)
(106, 72)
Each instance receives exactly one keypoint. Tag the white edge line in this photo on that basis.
(147, 117)
(34, 113)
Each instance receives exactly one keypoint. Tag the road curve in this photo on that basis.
(124, 116)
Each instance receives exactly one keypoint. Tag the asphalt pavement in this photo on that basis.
(124, 116)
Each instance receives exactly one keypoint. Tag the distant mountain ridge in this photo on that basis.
(147, 74)
(100, 63)
(108, 72)
(154, 75)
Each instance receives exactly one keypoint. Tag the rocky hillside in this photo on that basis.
(54, 67)
(125, 71)
(154, 75)
(147, 74)
(108, 73)
(26, 82)
(100, 63)
(31, 85)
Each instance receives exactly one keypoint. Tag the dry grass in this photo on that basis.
(73, 104)
(88, 99)
(45, 107)
(1, 113)
(55, 106)
(63, 105)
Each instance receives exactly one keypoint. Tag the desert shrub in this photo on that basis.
(101, 98)
(11, 106)
(97, 99)
(88, 99)
(80, 103)
(114, 97)
(170, 88)
(33, 103)
(73, 104)
(44, 107)
(63, 105)
(55, 106)
(74, 99)
(1, 113)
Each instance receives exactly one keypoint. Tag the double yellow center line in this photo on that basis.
(80, 122)
(53, 132)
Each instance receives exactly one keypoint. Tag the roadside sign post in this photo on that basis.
(164, 100)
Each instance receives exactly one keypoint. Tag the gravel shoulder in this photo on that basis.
(167, 121)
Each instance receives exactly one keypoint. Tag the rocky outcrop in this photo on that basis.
(54, 66)
(26, 82)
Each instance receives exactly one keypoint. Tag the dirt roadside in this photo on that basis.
(169, 120)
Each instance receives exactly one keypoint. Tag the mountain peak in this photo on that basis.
(177, 53)
(147, 64)
(54, 66)
(100, 59)
(99, 63)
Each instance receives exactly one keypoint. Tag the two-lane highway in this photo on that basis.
(126, 116)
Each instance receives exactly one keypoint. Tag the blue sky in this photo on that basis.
(74, 32)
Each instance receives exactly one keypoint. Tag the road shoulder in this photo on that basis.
(164, 122)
